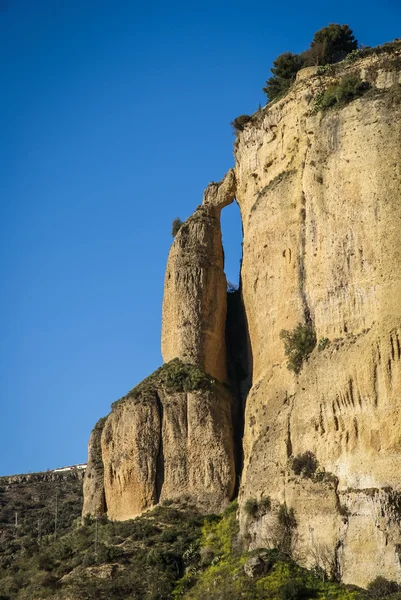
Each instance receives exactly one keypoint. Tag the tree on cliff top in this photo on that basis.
(175, 227)
(284, 69)
(329, 45)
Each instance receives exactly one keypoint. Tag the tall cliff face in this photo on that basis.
(170, 438)
(195, 288)
(320, 202)
(319, 194)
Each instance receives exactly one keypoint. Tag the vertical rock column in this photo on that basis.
(170, 437)
(195, 289)
(94, 497)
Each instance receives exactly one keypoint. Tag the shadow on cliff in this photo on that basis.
(239, 369)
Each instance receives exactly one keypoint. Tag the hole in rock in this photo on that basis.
(231, 228)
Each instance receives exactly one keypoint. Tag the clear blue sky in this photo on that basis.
(114, 117)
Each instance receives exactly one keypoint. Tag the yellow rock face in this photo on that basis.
(130, 448)
(320, 202)
(198, 448)
(94, 499)
(195, 287)
(161, 445)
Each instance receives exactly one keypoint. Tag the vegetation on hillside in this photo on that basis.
(223, 569)
(139, 559)
(175, 226)
(331, 48)
(340, 93)
(298, 344)
(174, 376)
(168, 553)
(329, 45)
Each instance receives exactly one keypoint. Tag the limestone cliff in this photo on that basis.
(319, 194)
(170, 438)
(94, 499)
(320, 201)
(195, 288)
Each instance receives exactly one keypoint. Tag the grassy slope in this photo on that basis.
(169, 552)
(220, 571)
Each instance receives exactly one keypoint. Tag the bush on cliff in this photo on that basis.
(176, 225)
(284, 70)
(174, 376)
(383, 588)
(239, 122)
(330, 44)
(298, 344)
(341, 93)
(305, 464)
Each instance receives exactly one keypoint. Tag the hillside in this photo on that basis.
(169, 552)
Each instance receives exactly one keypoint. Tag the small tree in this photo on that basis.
(330, 45)
(381, 587)
(298, 344)
(239, 122)
(305, 464)
(176, 226)
(284, 70)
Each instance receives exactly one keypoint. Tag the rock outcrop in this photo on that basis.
(94, 498)
(320, 201)
(319, 194)
(195, 288)
(171, 438)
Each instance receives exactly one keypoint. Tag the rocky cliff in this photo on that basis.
(319, 193)
(171, 438)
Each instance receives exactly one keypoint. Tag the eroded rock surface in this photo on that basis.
(320, 201)
(220, 194)
(171, 438)
(195, 291)
(94, 498)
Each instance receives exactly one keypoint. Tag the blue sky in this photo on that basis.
(114, 118)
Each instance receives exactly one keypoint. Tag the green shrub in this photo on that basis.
(341, 93)
(176, 225)
(239, 122)
(284, 70)
(381, 588)
(186, 378)
(353, 56)
(286, 518)
(298, 344)
(294, 589)
(331, 44)
(323, 343)
(326, 70)
(305, 464)
(251, 507)
(174, 376)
